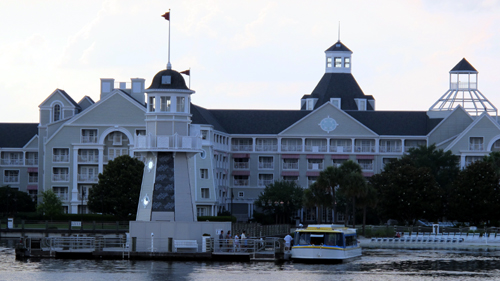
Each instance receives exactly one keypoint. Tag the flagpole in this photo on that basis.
(190, 78)
(169, 66)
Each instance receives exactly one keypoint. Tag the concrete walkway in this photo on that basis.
(471, 245)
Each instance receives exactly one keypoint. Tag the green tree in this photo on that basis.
(368, 200)
(13, 200)
(119, 187)
(494, 159)
(352, 185)
(406, 192)
(323, 192)
(51, 205)
(281, 199)
(476, 196)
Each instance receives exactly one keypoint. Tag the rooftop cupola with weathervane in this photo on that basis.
(463, 92)
(338, 59)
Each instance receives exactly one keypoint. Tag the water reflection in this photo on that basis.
(375, 264)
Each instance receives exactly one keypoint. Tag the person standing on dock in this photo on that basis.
(221, 243)
(229, 241)
(288, 240)
(243, 240)
(236, 243)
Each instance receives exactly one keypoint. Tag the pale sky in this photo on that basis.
(244, 54)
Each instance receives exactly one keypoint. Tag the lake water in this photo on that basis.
(375, 264)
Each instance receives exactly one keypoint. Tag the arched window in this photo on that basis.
(57, 112)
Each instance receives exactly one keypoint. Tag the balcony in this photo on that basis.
(265, 182)
(366, 166)
(391, 148)
(89, 139)
(316, 148)
(291, 148)
(241, 147)
(11, 179)
(168, 142)
(315, 166)
(291, 166)
(240, 182)
(60, 177)
(266, 165)
(341, 149)
(33, 179)
(31, 162)
(94, 159)
(63, 196)
(476, 147)
(88, 178)
(364, 148)
(84, 198)
(266, 147)
(241, 165)
(60, 158)
(463, 86)
(12, 162)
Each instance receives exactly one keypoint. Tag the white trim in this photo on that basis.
(472, 125)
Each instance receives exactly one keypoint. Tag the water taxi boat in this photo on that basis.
(326, 243)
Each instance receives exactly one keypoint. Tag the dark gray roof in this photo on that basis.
(338, 47)
(177, 81)
(463, 65)
(204, 116)
(17, 134)
(339, 85)
(396, 123)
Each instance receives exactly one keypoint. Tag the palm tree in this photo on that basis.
(328, 181)
(352, 184)
(368, 200)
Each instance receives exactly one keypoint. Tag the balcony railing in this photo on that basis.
(60, 158)
(11, 179)
(31, 162)
(62, 196)
(265, 182)
(12, 161)
(463, 85)
(291, 148)
(266, 147)
(89, 139)
(60, 177)
(266, 165)
(85, 197)
(476, 147)
(366, 166)
(291, 166)
(171, 142)
(241, 147)
(240, 182)
(316, 148)
(341, 148)
(390, 148)
(241, 165)
(88, 178)
(364, 148)
(88, 159)
(315, 166)
(32, 179)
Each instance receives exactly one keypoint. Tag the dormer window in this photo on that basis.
(347, 62)
(57, 112)
(361, 104)
(328, 62)
(181, 101)
(164, 104)
(338, 62)
(151, 105)
(166, 79)
(335, 102)
(310, 104)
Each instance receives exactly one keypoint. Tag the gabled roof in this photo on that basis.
(463, 65)
(339, 85)
(202, 115)
(396, 123)
(338, 47)
(70, 98)
(17, 134)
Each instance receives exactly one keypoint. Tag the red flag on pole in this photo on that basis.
(187, 72)
(166, 16)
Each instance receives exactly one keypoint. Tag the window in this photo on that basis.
(366, 164)
(338, 162)
(291, 179)
(201, 211)
(60, 174)
(205, 193)
(34, 195)
(31, 158)
(204, 134)
(88, 174)
(338, 62)
(83, 192)
(311, 214)
(240, 180)
(33, 177)
(241, 194)
(181, 104)
(57, 112)
(311, 180)
(266, 162)
(291, 145)
(361, 104)
(266, 145)
(328, 62)
(151, 105)
(116, 152)
(409, 144)
(165, 104)
(12, 158)
(390, 146)
(290, 164)
(386, 161)
(316, 145)
(241, 144)
(11, 176)
(265, 179)
(476, 144)
(89, 136)
(166, 79)
(61, 192)
(203, 154)
(204, 173)
(60, 155)
(340, 146)
(88, 156)
(241, 163)
(335, 102)
(364, 145)
(471, 159)
(310, 104)
(347, 62)
(140, 132)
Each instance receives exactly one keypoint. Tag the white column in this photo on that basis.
(101, 159)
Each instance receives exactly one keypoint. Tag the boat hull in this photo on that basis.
(324, 253)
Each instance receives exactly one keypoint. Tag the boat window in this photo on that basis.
(317, 239)
(304, 238)
(351, 241)
(333, 239)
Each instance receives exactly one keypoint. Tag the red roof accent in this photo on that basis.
(336, 156)
(241, 173)
(290, 173)
(315, 156)
(312, 174)
(367, 174)
(241, 155)
(365, 157)
(32, 187)
(290, 156)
